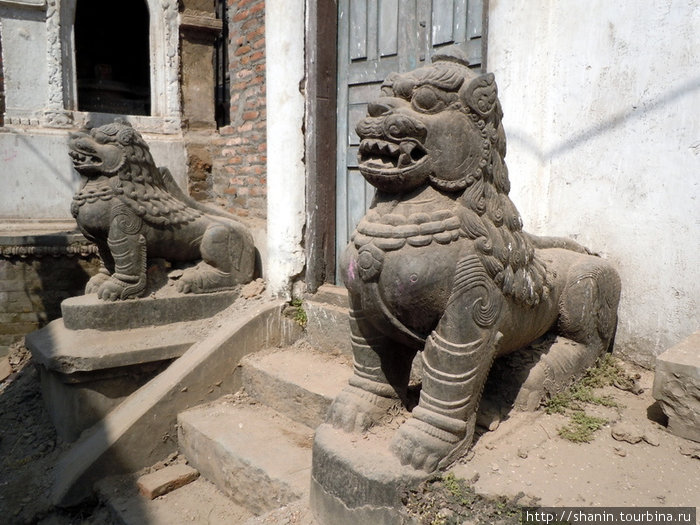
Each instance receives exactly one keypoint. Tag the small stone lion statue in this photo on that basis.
(440, 264)
(134, 211)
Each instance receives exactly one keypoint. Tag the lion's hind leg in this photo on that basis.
(228, 259)
(588, 304)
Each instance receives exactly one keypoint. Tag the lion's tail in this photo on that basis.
(565, 243)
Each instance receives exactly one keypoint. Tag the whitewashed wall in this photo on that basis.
(602, 116)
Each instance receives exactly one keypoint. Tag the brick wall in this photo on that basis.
(239, 176)
(32, 288)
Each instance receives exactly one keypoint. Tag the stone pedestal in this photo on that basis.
(99, 353)
(677, 387)
(356, 479)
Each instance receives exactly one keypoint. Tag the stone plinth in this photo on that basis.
(677, 387)
(168, 306)
(88, 366)
(356, 479)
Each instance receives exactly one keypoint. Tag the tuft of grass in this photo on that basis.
(573, 400)
(581, 427)
(298, 312)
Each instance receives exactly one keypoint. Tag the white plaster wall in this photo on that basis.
(24, 61)
(37, 179)
(602, 106)
(284, 37)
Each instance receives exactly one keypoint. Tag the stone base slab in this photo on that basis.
(80, 355)
(677, 387)
(356, 479)
(165, 307)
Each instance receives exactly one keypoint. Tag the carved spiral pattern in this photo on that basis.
(126, 220)
(471, 276)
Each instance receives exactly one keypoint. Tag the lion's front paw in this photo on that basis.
(356, 410)
(111, 289)
(93, 285)
(422, 446)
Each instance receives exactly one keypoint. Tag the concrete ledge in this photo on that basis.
(677, 387)
(142, 429)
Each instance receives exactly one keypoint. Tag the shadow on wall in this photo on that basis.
(526, 141)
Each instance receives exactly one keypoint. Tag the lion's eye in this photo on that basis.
(425, 99)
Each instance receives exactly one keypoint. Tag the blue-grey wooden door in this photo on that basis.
(375, 38)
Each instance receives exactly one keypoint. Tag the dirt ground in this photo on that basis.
(632, 460)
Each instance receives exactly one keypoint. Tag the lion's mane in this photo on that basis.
(489, 217)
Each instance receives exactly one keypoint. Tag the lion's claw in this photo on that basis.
(416, 444)
(111, 289)
(93, 285)
(356, 410)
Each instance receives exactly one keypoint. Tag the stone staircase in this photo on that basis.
(253, 446)
(256, 446)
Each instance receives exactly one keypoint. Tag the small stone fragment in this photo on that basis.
(625, 431)
(253, 289)
(620, 451)
(652, 438)
(522, 453)
(166, 480)
(690, 450)
(5, 368)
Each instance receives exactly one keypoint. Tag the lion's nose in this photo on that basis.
(379, 108)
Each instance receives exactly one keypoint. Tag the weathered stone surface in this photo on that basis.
(357, 480)
(677, 387)
(77, 403)
(327, 326)
(297, 382)
(89, 312)
(141, 430)
(258, 457)
(76, 351)
(166, 480)
(135, 211)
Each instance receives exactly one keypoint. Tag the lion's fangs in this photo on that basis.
(387, 155)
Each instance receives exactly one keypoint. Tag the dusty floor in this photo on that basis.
(523, 458)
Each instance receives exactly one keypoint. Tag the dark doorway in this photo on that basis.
(112, 56)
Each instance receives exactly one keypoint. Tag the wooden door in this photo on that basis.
(375, 38)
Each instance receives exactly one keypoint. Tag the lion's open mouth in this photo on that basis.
(383, 155)
(83, 159)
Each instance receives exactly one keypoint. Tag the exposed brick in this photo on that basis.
(166, 480)
(239, 169)
(240, 15)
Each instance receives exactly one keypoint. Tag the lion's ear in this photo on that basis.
(481, 94)
(127, 135)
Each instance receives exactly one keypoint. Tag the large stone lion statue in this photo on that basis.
(134, 211)
(440, 264)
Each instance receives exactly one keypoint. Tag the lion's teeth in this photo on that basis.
(404, 160)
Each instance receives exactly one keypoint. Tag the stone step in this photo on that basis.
(297, 381)
(196, 502)
(258, 457)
